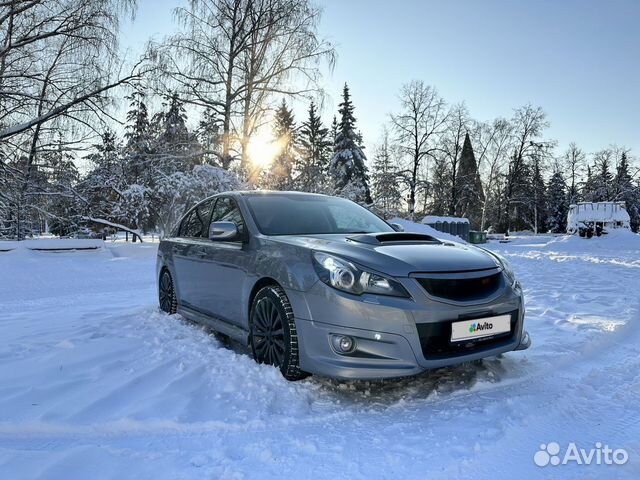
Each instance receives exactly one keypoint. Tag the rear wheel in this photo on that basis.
(274, 338)
(166, 293)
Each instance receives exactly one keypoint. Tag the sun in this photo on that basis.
(262, 149)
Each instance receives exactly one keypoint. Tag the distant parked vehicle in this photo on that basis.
(318, 284)
(595, 218)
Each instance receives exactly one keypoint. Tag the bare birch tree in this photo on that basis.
(494, 142)
(417, 126)
(574, 160)
(57, 64)
(233, 56)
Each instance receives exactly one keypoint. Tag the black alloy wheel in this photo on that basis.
(167, 294)
(274, 339)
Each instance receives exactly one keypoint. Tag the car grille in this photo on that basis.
(435, 339)
(462, 289)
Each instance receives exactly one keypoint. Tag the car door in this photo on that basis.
(189, 250)
(227, 264)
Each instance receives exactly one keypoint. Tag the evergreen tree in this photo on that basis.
(138, 138)
(518, 196)
(588, 187)
(440, 187)
(348, 169)
(137, 131)
(284, 132)
(135, 184)
(469, 193)
(314, 154)
(63, 177)
(538, 201)
(385, 179)
(600, 182)
(557, 203)
(208, 135)
(334, 130)
(175, 148)
(624, 190)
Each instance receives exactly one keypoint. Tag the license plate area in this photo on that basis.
(466, 330)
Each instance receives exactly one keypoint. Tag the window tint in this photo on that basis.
(350, 219)
(282, 214)
(186, 228)
(226, 210)
(196, 223)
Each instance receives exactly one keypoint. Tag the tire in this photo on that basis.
(273, 335)
(166, 293)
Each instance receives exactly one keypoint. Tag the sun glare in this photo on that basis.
(263, 149)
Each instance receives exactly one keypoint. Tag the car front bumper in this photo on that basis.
(395, 337)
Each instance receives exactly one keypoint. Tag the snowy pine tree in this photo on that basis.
(137, 131)
(175, 148)
(210, 139)
(557, 203)
(285, 135)
(312, 164)
(347, 168)
(598, 187)
(538, 199)
(384, 178)
(333, 133)
(624, 190)
(440, 187)
(469, 193)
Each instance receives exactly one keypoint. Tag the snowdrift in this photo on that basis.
(421, 228)
(52, 244)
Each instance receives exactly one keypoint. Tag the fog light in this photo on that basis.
(343, 343)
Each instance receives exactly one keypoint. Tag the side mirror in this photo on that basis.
(397, 227)
(222, 231)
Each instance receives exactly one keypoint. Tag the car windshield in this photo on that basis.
(311, 214)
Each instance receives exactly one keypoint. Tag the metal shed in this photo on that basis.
(458, 226)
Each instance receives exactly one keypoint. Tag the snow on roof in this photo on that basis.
(607, 212)
(429, 219)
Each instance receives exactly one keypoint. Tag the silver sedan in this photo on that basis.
(318, 284)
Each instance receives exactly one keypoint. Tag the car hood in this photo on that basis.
(396, 258)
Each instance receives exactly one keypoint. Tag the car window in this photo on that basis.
(196, 223)
(346, 219)
(226, 210)
(286, 214)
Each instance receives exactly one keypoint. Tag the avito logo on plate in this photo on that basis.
(476, 327)
(600, 454)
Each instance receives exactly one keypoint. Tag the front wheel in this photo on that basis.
(167, 294)
(273, 335)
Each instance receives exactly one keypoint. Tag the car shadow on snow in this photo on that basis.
(437, 383)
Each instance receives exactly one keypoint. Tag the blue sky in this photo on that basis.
(578, 60)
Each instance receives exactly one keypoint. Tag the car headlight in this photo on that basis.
(344, 275)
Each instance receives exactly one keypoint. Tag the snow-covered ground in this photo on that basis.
(96, 383)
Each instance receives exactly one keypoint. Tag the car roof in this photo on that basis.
(260, 193)
(250, 193)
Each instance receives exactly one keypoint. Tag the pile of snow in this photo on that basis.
(609, 244)
(426, 229)
(51, 244)
(96, 383)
